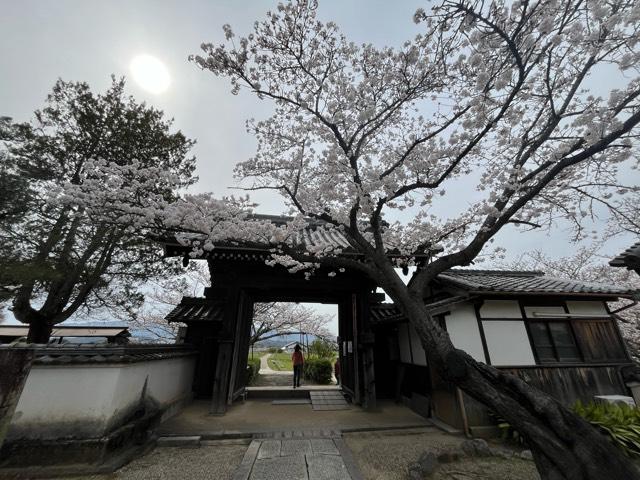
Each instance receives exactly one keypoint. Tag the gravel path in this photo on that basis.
(171, 463)
(386, 456)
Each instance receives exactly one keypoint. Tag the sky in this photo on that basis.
(89, 40)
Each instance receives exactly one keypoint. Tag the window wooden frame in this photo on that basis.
(547, 322)
(579, 341)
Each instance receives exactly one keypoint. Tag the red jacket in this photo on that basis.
(297, 358)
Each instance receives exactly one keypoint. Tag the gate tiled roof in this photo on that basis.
(630, 258)
(314, 237)
(192, 309)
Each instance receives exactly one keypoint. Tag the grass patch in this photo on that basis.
(281, 362)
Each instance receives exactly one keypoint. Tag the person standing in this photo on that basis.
(298, 361)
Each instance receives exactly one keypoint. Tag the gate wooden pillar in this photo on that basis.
(221, 378)
(242, 329)
(368, 367)
(233, 348)
(366, 340)
(224, 359)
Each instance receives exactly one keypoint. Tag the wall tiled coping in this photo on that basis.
(104, 354)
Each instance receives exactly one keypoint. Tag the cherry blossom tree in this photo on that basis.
(368, 141)
(97, 166)
(275, 319)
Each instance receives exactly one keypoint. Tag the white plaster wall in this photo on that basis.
(500, 309)
(169, 382)
(587, 307)
(79, 396)
(508, 342)
(419, 355)
(462, 326)
(87, 400)
(166, 382)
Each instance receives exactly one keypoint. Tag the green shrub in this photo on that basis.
(273, 349)
(318, 370)
(322, 349)
(620, 422)
(253, 367)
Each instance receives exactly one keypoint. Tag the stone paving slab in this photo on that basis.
(327, 467)
(280, 468)
(323, 446)
(316, 458)
(269, 449)
(295, 447)
(244, 469)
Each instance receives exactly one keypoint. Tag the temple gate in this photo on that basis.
(219, 323)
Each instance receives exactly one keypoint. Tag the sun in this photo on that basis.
(150, 73)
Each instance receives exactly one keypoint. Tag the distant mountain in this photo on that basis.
(285, 340)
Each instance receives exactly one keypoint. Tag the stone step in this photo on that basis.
(287, 392)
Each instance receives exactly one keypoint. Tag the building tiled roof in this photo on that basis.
(385, 313)
(526, 282)
(630, 258)
(389, 313)
(193, 309)
(478, 282)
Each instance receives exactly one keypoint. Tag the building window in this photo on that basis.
(553, 341)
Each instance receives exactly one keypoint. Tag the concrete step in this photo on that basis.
(287, 392)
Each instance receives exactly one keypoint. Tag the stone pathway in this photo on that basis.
(265, 369)
(298, 456)
(271, 378)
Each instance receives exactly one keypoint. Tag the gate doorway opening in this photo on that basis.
(342, 346)
(276, 329)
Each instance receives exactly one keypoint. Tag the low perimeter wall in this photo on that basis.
(96, 396)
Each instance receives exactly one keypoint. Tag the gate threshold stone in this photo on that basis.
(292, 401)
(179, 441)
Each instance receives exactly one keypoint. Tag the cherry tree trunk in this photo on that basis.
(39, 332)
(564, 446)
(16, 364)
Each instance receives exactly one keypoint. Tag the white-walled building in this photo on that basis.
(556, 334)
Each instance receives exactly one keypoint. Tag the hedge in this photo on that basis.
(253, 367)
(318, 370)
